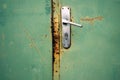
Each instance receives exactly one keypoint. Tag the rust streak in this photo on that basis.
(92, 20)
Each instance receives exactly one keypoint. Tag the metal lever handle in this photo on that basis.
(66, 26)
(72, 23)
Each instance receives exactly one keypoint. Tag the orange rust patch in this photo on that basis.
(92, 20)
(56, 47)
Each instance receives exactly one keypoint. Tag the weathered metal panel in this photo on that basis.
(95, 49)
(55, 21)
(25, 40)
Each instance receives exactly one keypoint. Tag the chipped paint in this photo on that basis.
(91, 20)
(55, 39)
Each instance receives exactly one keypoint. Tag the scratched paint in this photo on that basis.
(33, 44)
(25, 44)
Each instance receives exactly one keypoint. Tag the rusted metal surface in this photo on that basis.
(55, 38)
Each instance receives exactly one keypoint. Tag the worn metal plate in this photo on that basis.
(95, 49)
(25, 40)
(66, 33)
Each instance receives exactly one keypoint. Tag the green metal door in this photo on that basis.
(25, 40)
(95, 49)
(26, 46)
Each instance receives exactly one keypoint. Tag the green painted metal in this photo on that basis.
(25, 40)
(95, 49)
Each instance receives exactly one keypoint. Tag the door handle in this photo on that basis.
(72, 23)
(66, 26)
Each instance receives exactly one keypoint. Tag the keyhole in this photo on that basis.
(66, 36)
